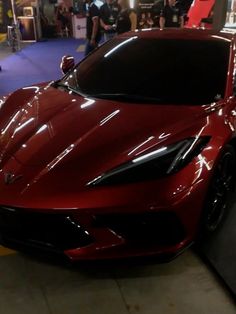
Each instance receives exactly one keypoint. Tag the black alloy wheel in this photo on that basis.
(221, 190)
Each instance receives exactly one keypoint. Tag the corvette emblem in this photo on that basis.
(10, 178)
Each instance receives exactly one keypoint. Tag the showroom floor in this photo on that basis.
(5, 50)
(35, 285)
(183, 286)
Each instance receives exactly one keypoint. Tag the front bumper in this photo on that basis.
(98, 235)
(48, 232)
(163, 227)
(113, 235)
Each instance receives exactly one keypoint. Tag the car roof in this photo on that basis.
(185, 33)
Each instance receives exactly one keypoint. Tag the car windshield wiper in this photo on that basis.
(126, 97)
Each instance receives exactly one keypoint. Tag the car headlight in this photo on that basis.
(159, 163)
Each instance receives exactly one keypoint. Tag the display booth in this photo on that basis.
(208, 14)
(26, 14)
(231, 14)
(79, 26)
(147, 17)
(28, 28)
(149, 12)
(201, 14)
(5, 15)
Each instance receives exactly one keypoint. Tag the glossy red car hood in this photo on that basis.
(80, 138)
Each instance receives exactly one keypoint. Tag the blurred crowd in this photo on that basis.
(118, 16)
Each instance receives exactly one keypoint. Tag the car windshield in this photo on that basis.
(176, 71)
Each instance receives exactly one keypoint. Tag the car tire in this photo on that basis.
(220, 192)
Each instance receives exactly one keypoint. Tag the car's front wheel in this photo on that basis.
(219, 196)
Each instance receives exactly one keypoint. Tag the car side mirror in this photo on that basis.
(67, 63)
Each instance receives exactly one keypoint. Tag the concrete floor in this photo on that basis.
(183, 286)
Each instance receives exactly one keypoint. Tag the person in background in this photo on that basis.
(108, 17)
(143, 21)
(92, 27)
(150, 21)
(171, 15)
(156, 11)
(127, 18)
(98, 3)
(62, 15)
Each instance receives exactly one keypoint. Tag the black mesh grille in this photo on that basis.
(161, 228)
(55, 232)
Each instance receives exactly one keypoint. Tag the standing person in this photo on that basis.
(92, 27)
(62, 14)
(108, 17)
(150, 21)
(127, 18)
(143, 21)
(171, 15)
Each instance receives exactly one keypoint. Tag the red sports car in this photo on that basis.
(131, 153)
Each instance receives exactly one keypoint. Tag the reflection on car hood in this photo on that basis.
(78, 138)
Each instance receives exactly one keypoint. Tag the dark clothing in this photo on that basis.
(88, 48)
(61, 16)
(91, 13)
(156, 12)
(185, 4)
(108, 14)
(172, 15)
(123, 21)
